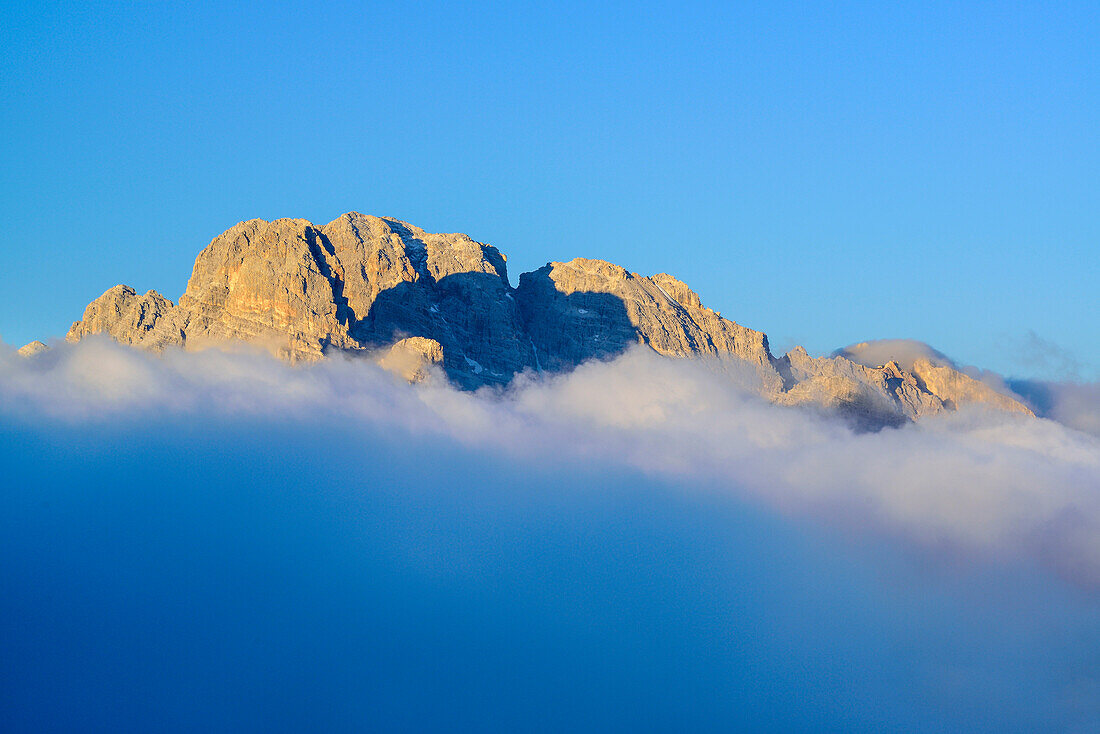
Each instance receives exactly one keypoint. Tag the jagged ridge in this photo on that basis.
(363, 283)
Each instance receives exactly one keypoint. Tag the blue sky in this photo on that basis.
(825, 174)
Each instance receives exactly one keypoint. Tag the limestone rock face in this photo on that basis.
(413, 358)
(887, 394)
(357, 283)
(400, 281)
(590, 308)
(263, 282)
(956, 389)
(128, 317)
(913, 396)
(870, 396)
(420, 301)
(905, 352)
(31, 349)
(834, 383)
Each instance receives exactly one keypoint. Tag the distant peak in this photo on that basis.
(33, 348)
(904, 352)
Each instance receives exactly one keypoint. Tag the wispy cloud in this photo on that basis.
(645, 540)
(976, 480)
(1040, 356)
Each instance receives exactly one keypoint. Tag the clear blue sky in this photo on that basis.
(824, 173)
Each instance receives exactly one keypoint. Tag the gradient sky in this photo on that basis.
(825, 174)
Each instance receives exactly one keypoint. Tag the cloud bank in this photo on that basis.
(974, 480)
(643, 542)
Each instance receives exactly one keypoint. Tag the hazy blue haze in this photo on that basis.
(222, 542)
(250, 576)
(825, 173)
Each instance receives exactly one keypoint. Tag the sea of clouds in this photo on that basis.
(218, 539)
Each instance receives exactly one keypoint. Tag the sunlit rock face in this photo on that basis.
(905, 352)
(417, 301)
(359, 283)
(31, 349)
(922, 380)
(413, 358)
(957, 389)
(400, 281)
(584, 308)
(129, 318)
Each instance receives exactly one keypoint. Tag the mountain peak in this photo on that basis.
(415, 300)
(903, 351)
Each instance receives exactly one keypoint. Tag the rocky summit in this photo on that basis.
(414, 301)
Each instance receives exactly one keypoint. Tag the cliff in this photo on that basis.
(414, 300)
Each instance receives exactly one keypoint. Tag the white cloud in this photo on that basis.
(1046, 358)
(903, 351)
(619, 539)
(1074, 404)
(973, 481)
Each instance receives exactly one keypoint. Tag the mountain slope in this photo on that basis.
(380, 286)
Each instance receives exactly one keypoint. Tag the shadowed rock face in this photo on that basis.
(402, 281)
(380, 286)
(590, 308)
(358, 283)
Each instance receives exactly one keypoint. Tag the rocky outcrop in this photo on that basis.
(263, 282)
(359, 283)
(955, 388)
(400, 281)
(129, 318)
(413, 358)
(419, 302)
(870, 396)
(584, 308)
(903, 351)
(31, 349)
(885, 394)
